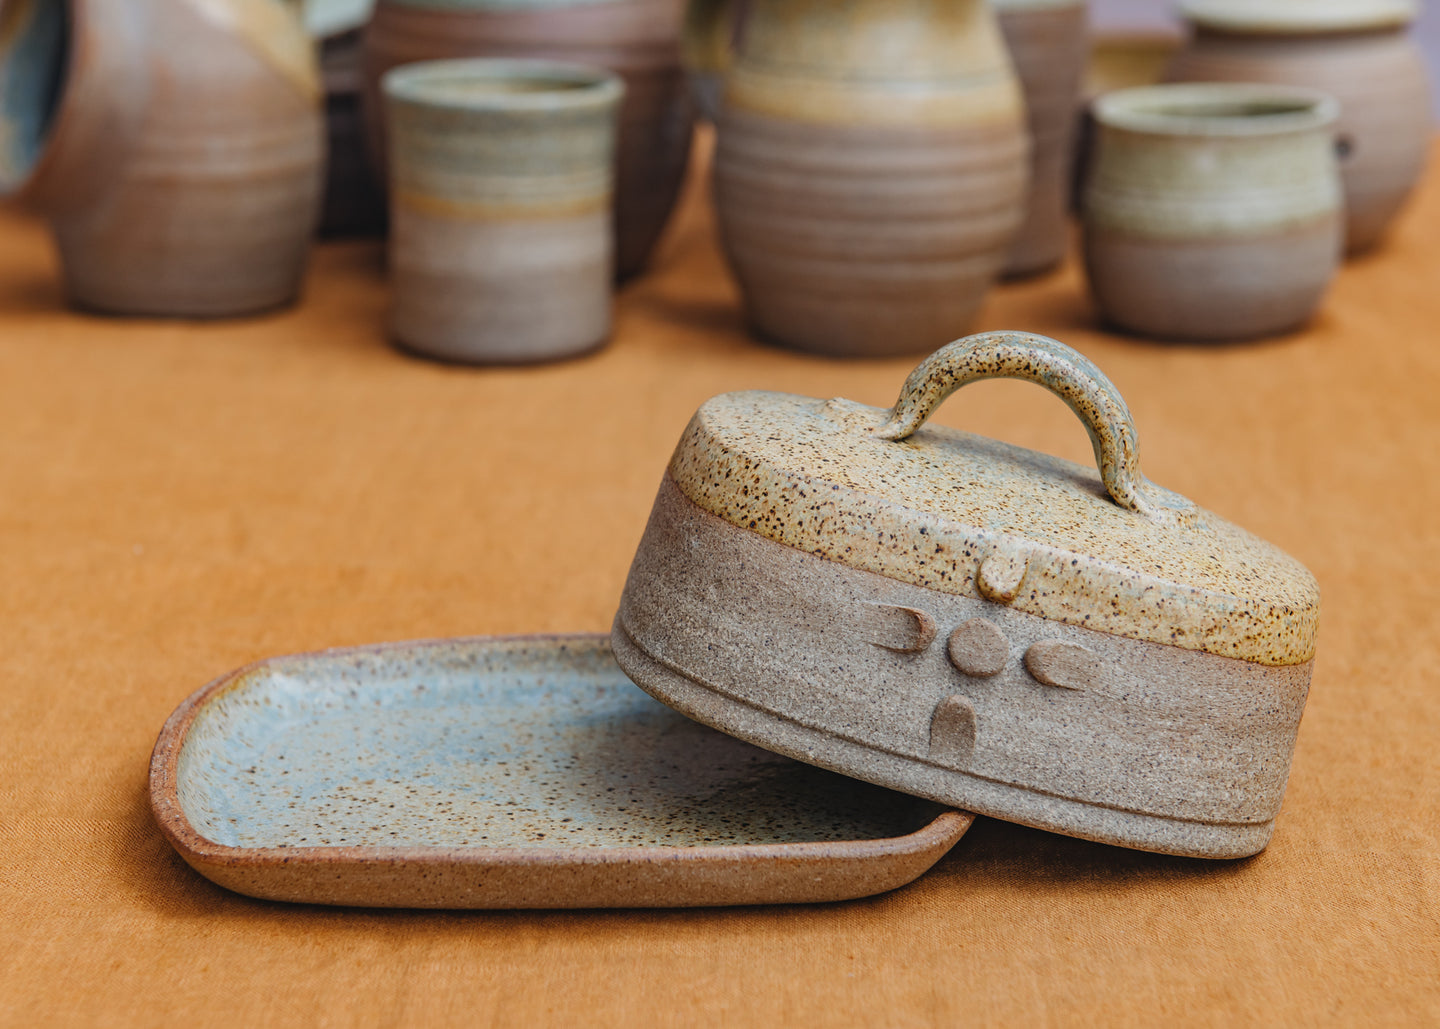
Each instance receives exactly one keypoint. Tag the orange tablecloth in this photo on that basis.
(177, 499)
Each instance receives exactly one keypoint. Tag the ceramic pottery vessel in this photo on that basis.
(501, 184)
(520, 772)
(637, 39)
(1049, 45)
(973, 622)
(174, 145)
(1212, 211)
(1126, 60)
(354, 200)
(1357, 51)
(870, 171)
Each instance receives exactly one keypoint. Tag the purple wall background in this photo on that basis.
(1158, 14)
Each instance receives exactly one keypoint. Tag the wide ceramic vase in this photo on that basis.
(871, 170)
(176, 147)
(1358, 51)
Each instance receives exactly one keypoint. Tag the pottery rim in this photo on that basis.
(1216, 109)
(1309, 16)
(1034, 5)
(503, 84)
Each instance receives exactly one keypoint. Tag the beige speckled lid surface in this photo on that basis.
(967, 515)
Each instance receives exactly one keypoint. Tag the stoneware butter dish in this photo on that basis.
(973, 622)
(523, 772)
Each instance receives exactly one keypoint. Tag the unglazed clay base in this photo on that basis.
(506, 773)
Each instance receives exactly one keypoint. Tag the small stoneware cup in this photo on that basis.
(501, 246)
(1212, 211)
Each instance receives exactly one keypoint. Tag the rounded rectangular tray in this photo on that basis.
(520, 772)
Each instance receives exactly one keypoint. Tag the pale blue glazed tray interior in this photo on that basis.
(496, 743)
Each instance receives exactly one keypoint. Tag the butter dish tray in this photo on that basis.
(509, 772)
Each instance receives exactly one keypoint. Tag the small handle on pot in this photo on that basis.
(1063, 371)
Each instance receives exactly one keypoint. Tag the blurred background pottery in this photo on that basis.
(637, 39)
(1212, 211)
(501, 189)
(871, 170)
(707, 48)
(1360, 52)
(1126, 60)
(174, 145)
(354, 199)
(1048, 43)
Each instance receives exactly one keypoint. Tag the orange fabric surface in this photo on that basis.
(177, 499)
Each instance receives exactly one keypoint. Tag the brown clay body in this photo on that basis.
(637, 39)
(1212, 211)
(1378, 76)
(870, 171)
(1048, 43)
(182, 165)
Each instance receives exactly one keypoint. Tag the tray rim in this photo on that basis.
(935, 838)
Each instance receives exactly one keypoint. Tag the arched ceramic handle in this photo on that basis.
(1064, 372)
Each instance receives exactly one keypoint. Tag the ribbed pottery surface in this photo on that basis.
(870, 171)
(1378, 78)
(637, 39)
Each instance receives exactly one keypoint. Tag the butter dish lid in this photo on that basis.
(966, 515)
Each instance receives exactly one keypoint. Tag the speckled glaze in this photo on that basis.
(1358, 51)
(1115, 553)
(508, 772)
(637, 39)
(974, 622)
(501, 179)
(1049, 43)
(1212, 211)
(870, 170)
(179, 163)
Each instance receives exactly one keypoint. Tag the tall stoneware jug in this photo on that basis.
(871, 170)
(1358, 51)
(1048, 42)
(638, 39)
(176, 147)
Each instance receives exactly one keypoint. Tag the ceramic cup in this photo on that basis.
(1212, 211)
(502, 174)
(639, 40)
